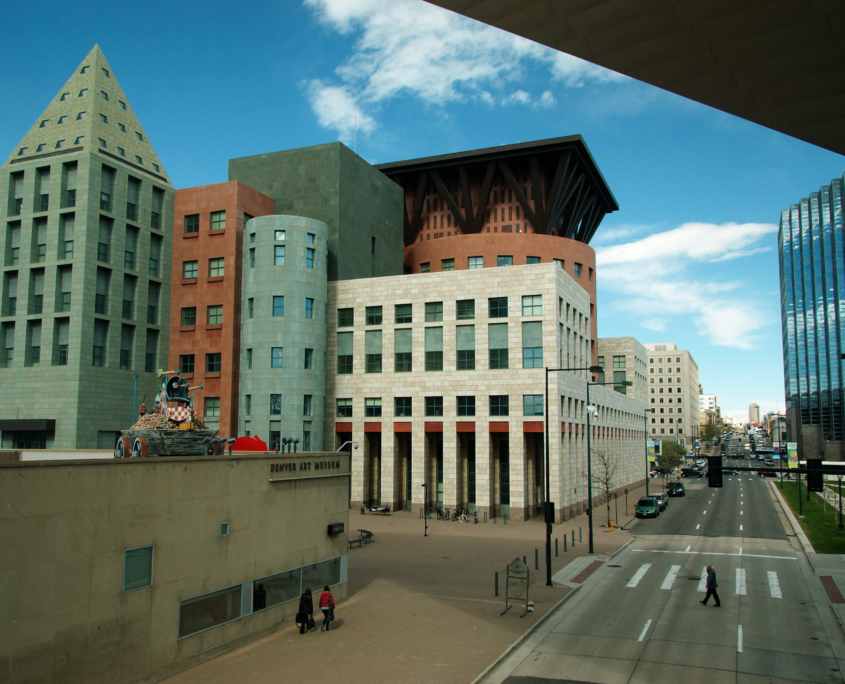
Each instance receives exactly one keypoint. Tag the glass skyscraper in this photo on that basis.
(812, 291)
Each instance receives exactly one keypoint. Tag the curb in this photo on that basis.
(525, 636)
(620, 549)
(796, 526)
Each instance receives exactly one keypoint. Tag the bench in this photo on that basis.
(365, 538)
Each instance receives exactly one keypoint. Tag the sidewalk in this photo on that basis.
(420, 609)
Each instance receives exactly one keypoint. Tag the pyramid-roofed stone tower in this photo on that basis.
(86, 211)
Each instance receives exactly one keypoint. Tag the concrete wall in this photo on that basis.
(64, 529)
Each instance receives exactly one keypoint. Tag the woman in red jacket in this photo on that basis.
(327, 606)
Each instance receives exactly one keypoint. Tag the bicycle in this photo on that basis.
(442, 514)
(460, 516)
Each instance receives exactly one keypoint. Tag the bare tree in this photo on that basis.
(604, 476)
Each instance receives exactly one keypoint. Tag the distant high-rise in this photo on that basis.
(812, 288)
(754, 413)
(86, 209)
(673, 393)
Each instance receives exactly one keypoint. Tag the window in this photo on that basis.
(158, 170)
(499, 407)
(532, 260)
(249, 359)
(155, 255)
(212, 410)
(276, 357)
(374, 315)
(618, 378)
(40, 148)
(309, 238)
(465, 347)
(532, 345)
(504, 261)
(466, 406)
(306, 404)
(497, 335)
(121, 128)
(475, 262)
(465, 309)
(189, 270)
(280, 235)
(138, 160)
(102, 144)
(309, 258)
(218, 220)
(250, 307)
(619, 362)
(532, 405)
(64, 97)
(344, 408)
(372, 407)
(425, 268)
(344, 353)
(402, 407)
(308, 361)
(433, 311)
(498, 307)
(433, 407)
(212, 363)
(216, 267)
(101, 331)
(141, 138)
(82, 93)
(122, 104)
(402, 341)
(577, 270)
(192, 223)
(279, 255)
(104, 118)
(137, 568)
(215, 314)
(404, 313)
(434, 349)
(248, 405)
(447, 264)
(373, 351)
(189, 316)
(44, 123)
(60, 144)
(186, 363)
(104, 95)
(532, 305)
(22, 151)
(252, 257)
(345, 318)
(309, 307)
(275, 404)
(78, 140)
(278, 306)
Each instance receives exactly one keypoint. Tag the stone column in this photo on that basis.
(483, 471)
(359, 469)
(516, 440)
(451, 467)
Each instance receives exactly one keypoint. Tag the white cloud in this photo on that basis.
(409, 48)
(336, 108)
(654, 324)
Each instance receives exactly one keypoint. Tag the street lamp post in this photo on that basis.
(645, 440)
(547, 507)
(626, 383)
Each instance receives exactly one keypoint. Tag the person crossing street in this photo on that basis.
(711, 588)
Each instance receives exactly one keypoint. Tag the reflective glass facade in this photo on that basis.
(812, 285)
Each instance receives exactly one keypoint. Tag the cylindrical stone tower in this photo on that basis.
(283, 336)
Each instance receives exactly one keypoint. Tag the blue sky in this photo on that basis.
(689, 258)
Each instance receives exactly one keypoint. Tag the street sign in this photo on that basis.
(519, 578)
(792, 453)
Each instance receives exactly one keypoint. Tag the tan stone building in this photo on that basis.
(673, 393)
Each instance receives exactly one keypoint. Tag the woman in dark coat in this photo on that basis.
(306, 610)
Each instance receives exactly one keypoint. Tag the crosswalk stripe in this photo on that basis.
(774, 585)
(635, 580)
(740, 582)
(702, 585)
(670, 577)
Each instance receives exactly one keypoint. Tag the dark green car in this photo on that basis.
(647, 508)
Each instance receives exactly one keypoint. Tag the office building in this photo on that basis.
(86, 209)
(812, 283)
(753, 414)
(673, 393)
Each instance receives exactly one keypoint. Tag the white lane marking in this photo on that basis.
(774, 585)
(739, 638)
(689, 547)
(635, 580)
(740, 512)
(714, 553)
(740, 581)
(705, 513)
(670, 577)
(740, 528)
(645, 629)
(702, 585)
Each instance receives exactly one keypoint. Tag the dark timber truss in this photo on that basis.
(569, 197)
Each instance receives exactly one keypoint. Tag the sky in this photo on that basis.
(689, 258)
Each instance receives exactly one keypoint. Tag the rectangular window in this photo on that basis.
(209, 610)
(216, 267)
(372, 407)
(433, 407)
(250, 307)
(466, 309)
(425, 268)
(137, 568)
(252, 257)
(101, 333)
(345, 318)
(447, 264)
(189, 316)
(309, 238)
(279, 255)
(374, 316)
(275, 404)
(344, 353)
(532, 260)
(153, 290)
(212, 363)
(404, 313)
(104, 241)
(618, 378)
(402, 347)
(434, 349)
(577, 270)
(497, 336)
(308, 362)
(218, 220)
(344, 408)
(189, 270)
(309, 257)
(279, 235)
(249, 359)
(532, 344)
(498, 307)
(532, 405)
(466, 406)
(309, 307)
(499, 406)
(402, 407)
(504, 261)
(151, 351)
(466, 347)
(433, 311)
(276, 357)
(373, 351)
(619, 362)
(532, 305)
(475, 262)
(102, 291)
(192, 223)
(155, 255)
(248, 405)
(215, 314)
(278, 306)
(186, 363)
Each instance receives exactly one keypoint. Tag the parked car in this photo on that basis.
(676, 489)
(647, 507)
(769, 462)
(767, 473)
(691, 472)
(661, 499)
(729, 471)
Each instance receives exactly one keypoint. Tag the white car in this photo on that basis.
(661, 499)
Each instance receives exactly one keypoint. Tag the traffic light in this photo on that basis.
(714, 471)
(814, 480)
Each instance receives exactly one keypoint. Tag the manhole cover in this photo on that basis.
(614, 566)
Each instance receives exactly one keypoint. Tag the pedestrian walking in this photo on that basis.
(711, 588)
(327, 606)
(306, 611)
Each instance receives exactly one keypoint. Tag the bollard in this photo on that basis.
(536, 559)
(497, 584)
(580, 537)
(564, 541)
(573, 539)
(525, 561)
